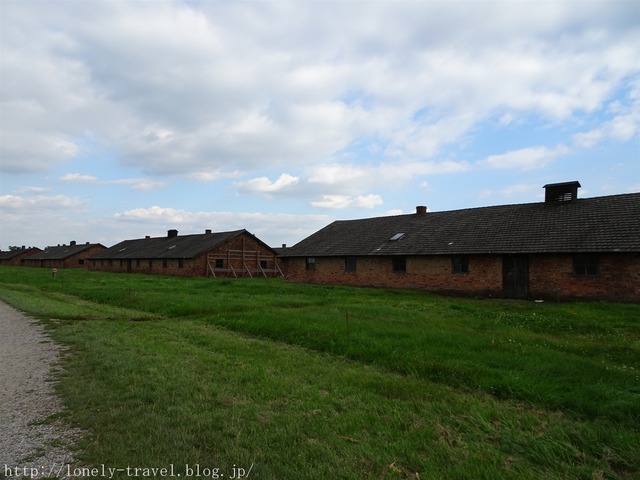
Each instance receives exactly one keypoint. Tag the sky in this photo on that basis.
(120, 119)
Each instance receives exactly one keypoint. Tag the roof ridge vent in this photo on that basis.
(561, 192)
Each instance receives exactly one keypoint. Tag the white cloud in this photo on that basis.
(336, 173)
(349, 177)
(153, 214)
(264, 185)
(624, 122)
(139, 184)
(622, 127)
(78, 178)
(511, 191)
(35, 218)
(184, 88)
(24, 151)
(345, 201)
(31, 189)
(213, 175)
(525, 158)
(25, 204)
(336, 185)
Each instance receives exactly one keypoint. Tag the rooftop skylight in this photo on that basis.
(397, 237)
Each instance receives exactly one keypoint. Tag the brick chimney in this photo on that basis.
(421, 209)
(72, 243)
(207, 231)
(172, 233)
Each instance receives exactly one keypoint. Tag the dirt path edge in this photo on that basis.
(34, 443)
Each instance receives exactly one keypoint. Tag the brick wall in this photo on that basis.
(432, 273)
(550, 275)
(144, 265)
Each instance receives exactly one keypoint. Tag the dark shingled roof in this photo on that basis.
(62, 251)
(8, 255)
(185, 246)
(599, 224)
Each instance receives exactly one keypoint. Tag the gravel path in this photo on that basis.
(32, 443)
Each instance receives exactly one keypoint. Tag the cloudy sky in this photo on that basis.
(121, 119)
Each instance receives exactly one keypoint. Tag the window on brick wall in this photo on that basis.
(164, 263)
(399, 263)
(350, 263)
(150, 264)
(459, 263)
(263, 264)
(180, 263)
(310, 263)
(219, 262)
(586, 264)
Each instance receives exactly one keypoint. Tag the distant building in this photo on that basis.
(63, 256)
(16, 256)
(223, 254)
(564, 247)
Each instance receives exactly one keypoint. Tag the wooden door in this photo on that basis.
(515, 276)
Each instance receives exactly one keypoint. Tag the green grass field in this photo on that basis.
(308, 382)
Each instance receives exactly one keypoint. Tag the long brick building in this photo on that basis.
(221, 254)
(73, 255)
(564, 247)
(16, 256)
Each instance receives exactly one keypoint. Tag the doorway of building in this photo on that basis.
(515, 276)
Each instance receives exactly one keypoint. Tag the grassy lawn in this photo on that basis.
(307, 381)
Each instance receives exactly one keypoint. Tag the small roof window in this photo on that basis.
(172, 246)
(397, 237)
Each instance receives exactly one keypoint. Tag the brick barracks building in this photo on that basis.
(16, 256)
(564, 247)
(222, 254)
(73, 255)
